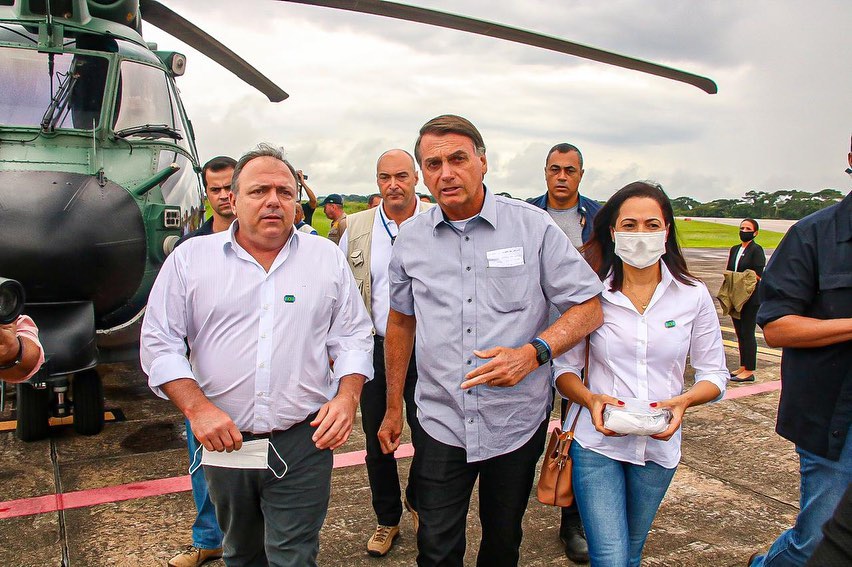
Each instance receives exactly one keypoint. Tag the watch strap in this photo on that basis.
(18, 358)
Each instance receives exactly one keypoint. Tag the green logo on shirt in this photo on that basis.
(289, 299)
(670, 324)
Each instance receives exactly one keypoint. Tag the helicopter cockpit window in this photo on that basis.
(51, 90)
(144, 105)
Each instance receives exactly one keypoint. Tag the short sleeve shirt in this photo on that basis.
(485, 286)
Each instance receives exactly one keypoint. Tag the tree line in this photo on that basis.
(789, 204)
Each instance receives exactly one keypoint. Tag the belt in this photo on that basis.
(249, 436)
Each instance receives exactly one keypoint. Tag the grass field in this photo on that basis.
(321, 224)
(692, 233)
(698, 234)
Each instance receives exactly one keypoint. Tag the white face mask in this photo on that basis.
(252, 455)
(640, 249)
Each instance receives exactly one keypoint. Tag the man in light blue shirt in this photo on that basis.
(473, 278)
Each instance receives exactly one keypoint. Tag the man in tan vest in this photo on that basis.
(367, 244)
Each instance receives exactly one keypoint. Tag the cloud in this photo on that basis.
(361, 84)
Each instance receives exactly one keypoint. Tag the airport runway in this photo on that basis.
(122, 498)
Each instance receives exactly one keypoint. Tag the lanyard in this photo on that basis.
(385, 224)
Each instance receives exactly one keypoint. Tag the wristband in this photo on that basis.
(18, 358)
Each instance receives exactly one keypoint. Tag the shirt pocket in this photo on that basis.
(834, 290)
(508, 289)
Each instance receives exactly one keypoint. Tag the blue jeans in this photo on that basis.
(617, 502)
(205, 531)
(822, 486)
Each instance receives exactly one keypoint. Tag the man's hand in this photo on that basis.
(215, 430)
(334, 421)
(507, 366)
(390, 430)
(8, 343)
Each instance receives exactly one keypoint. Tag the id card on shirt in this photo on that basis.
(505, 257)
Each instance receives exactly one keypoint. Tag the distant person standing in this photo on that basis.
(747, 256)
(300, 223)
(806, 308)
(309, 207)
(573, 213)
(367, 243)
(332, 206)
(206, 536)
(374, 200)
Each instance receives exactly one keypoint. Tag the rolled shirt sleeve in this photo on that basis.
(788, 283)
(706, 350)
(27, 329)
(162, 342)
(566, 278)
(401, 295)
(350, 340)
(571, 361)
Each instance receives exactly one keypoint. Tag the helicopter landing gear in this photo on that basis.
(33, 412)
(87, 392)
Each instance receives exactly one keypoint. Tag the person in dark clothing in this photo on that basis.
(748, 255)
(806, 308)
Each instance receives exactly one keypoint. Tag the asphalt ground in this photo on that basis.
(122, 498)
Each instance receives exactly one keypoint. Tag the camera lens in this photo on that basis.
(11, 300)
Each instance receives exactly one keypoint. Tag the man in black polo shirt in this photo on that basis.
(806, 308)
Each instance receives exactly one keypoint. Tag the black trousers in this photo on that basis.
(445, 483)
(381, 468)
(744, 326)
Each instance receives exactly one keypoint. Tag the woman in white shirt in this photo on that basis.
(655, 313)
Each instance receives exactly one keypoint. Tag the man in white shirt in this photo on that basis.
(282, 303)
(367, 243)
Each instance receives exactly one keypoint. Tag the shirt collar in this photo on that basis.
(488, 212)
(618, 297)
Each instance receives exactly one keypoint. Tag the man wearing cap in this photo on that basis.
(367, 243)
(332, 206)
(473, 279)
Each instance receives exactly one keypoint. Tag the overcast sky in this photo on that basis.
(361, 84)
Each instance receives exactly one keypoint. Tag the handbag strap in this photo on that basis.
(585, 380)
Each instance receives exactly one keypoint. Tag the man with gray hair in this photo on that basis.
(257, 388)
(473, 279)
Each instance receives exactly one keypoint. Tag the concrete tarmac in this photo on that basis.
(121, 498)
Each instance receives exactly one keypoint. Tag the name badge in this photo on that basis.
(505, 257)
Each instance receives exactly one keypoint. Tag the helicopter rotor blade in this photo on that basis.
(172, 23)
(482, 27)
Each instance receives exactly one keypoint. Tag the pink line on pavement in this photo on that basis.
(158, 487)
(732, 393)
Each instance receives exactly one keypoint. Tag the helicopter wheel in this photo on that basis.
(88, 393)
(32, 413)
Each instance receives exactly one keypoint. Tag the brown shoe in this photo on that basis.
(193, 557)
(415, 517)
(382, 540)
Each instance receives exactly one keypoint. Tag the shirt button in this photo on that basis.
(263, 335)
(469, 299)
(468, 362)
(835, 434)
(262, 365)
(467, 238)
(470, 420)
(266, 306)
(468, 268)
(260, 394)
(468, 330)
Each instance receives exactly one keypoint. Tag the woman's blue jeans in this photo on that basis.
(617, 502)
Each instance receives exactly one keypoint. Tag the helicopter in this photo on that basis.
(99, 172)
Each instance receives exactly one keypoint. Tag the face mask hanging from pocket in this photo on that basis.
(252, 455)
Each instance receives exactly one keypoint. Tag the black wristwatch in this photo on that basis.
(18, 358)
(542, 351)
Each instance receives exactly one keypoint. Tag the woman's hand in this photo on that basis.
(677, 406)
(597, 404)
